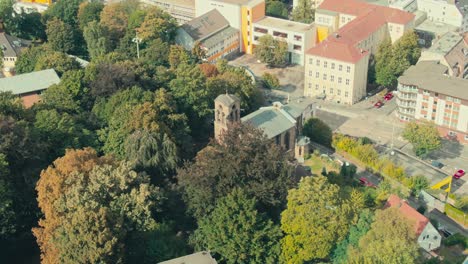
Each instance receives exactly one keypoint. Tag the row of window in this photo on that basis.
(331, 90)
(325, 76)
(9, 59)
(332, 65)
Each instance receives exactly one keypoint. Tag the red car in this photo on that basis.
(378, 104)
(365, 182)
(388, 96)
(459, 174)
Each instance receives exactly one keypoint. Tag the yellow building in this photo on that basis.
(43, 2)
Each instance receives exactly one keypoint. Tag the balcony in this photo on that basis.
(407, 97)
(406, 104)
(260, 30)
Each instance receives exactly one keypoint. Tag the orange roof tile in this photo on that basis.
(408, 211)
(337, 50)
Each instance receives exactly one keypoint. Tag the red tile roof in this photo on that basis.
(408, 211)
(369, 18)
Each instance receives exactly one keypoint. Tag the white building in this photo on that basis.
(451, 12)
(299, 36)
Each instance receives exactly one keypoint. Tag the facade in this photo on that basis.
(182, 10)
(29, 86)
(202, 257)
(299, 36)
(451, 12)
(281, 123)
(452, 51)
(336, 68)
(11, 47)
(429, 238)
(427, 92)
(214, 34)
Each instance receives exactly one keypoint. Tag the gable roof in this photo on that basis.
(205, 25)
(29, 82)
(202, 257)
(12, 45)
(420, 221)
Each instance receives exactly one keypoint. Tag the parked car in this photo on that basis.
(388, 96)
(378, 104)
(459, 174)
(437, 164)
(365, 182)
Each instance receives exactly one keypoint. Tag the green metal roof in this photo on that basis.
(29, 82)
(272, 120)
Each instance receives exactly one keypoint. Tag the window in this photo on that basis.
(451, 133)
(325, 64)
(448, 106)
(456, 100)
(339, 79)
(338, 92)
(310, 73)
(317, 74)
(456, 108)
(332, 78)
(347, 81)
(333, 66)
(310, 85)
(446, 122)
(331, 90)
(324, 76)
(318, 62)
(348, 69)
(340, 67)
(346, 94)
(316, 87)
(311, 61)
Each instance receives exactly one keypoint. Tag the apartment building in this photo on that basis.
(313, 3)
(427, 92)
(349, 32)
(182, 10)
(450, 50)
(213, 33)
(451, 12)
(299, 36)
(11, 47)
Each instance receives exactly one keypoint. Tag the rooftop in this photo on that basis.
(445, 44)
(12, 45)
(430, 75)
(436, 28)
(236, 2)
(284, 24)
(202, 257)
(408, 211)
(227, 99)
(205, 25)
(29, 82)
(273, 120)
(221, 35)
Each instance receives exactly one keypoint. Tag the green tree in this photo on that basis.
(1, 59)
(418, 183)
(28, 59)
(157, 25)
(89, 11)
(303, 12)
(234, 221)
(245, 160)
(60, 36)
(8, 221)
(313, 222)
(276, 8)
(318, 131)
(96, 37)
(423, 136)
(58, 61)
(271, 51)
(391, 239)
(270, 81)
(383, 67)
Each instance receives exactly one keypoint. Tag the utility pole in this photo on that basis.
(137, 40)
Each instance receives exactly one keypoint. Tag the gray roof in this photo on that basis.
(29, 82)
(205, 25)
(273, 120)
(430, 75)
(297, 108)
(445, 44)
(202, 257)
(12, 45)
(221, 35)
(284, 24)
(227, 99)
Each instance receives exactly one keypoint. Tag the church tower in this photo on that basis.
(227, 112)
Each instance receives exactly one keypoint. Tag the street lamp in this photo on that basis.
(137, 40)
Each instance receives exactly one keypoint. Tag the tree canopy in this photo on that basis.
(271, 51)
(303, 12)
(423, 136)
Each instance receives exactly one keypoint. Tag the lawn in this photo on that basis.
(316, 163)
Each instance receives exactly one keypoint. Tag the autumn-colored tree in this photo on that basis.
(391, 239)
(315, 219)
(157, 25)
(209, 70)
(115, 18)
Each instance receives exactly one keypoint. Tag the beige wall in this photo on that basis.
(9, 62)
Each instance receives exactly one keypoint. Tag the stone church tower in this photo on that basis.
(227, 112)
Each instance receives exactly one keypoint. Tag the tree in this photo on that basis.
(313, 221)
(28, 59)
(234, 221)
(1, 59)
(303, 12)
(58, 61)
(64, 10)
(391, 239)
(115, 18)
(271, 51)
(383, 58)
(96, 37)
(318, 131)
(89, 11)
(103, 219)
(245, 160)
(156, 53)
(276, 8)
(158, 25)
(423, 136)
(418, 183)
(112, 77)
(60, 36)
(270, 81)
(8, 221)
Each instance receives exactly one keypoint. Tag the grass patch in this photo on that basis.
(316, 163)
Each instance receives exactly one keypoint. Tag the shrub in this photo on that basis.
(270, 81)
(456, 239)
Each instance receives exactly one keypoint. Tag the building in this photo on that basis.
(280, 123)
(313, 3)
(29, 86)
(182, 10)
(428, 237)
(450, 50)
(29, 7)
(12, 47)
(451, 12)
(213, 33)
(427, 92)
(299, 36)
(239, 13)
(349, 32)
(202, 257)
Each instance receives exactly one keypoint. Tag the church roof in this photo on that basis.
(273, 120)
(227, 99)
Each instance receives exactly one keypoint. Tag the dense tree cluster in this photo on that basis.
(116, 165)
